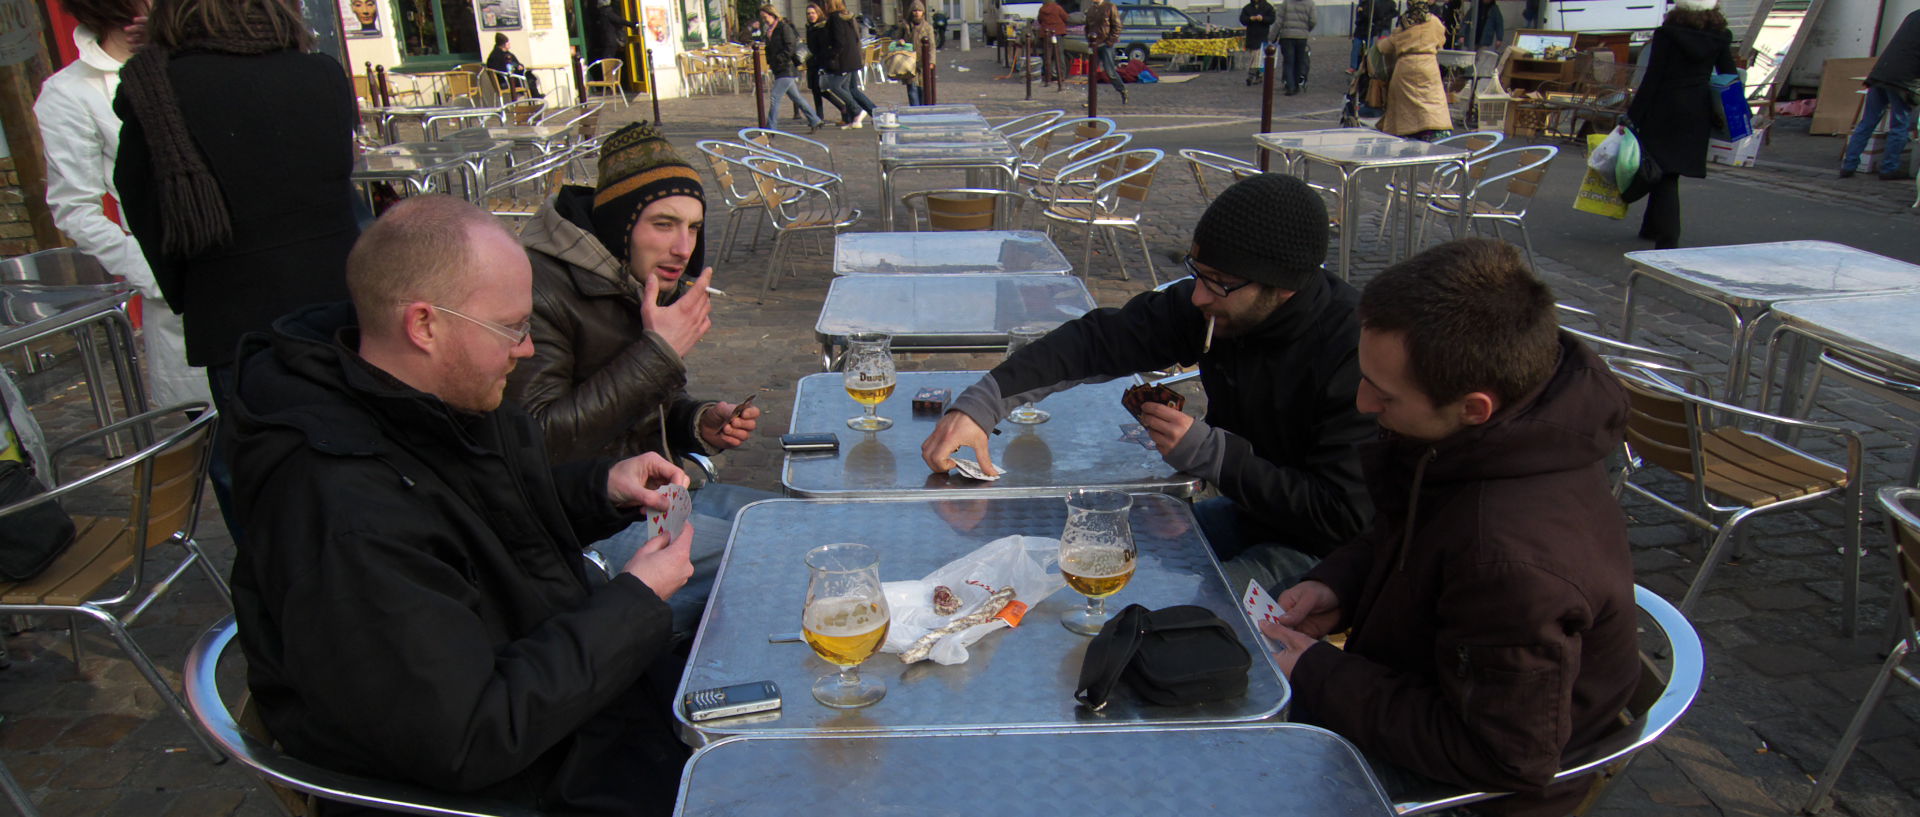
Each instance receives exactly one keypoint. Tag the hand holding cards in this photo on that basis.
(674, 519)
(1143, 394)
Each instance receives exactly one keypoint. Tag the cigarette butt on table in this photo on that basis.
(1207, 345)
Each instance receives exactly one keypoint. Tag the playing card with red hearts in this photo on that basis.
(674, 518)
(1261, 608)
(1141, 395)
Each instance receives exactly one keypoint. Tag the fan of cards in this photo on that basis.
(674, 518)
(1143, 394)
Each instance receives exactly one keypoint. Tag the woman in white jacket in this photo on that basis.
(82, 137)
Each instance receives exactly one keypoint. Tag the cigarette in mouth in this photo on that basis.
(1207, 345)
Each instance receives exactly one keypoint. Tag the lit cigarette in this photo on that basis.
(1207, 345)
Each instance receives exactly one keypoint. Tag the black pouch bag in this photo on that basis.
(1171, 656)
(31, 538)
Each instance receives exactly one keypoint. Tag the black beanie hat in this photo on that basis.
(638, 167)
(1270, 229)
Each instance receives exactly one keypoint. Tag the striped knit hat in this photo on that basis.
(638, 167)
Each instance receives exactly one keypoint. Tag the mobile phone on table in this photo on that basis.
(819, 441)
(728, 701)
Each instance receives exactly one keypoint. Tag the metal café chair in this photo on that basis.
(1672, 426)
(519, 194)
(1413, 194)
(800, 200)
(1117, 202)
(1889, 381)
(1904, 523)
(111, 572)
(1021, 126)
(1060, 134)
(609, 78)
(792, 147)
(963, 208)
(1049, 179)
(1498, 188)
(294, 783)
(1657, 704)
(726, 160)
(1199, 162)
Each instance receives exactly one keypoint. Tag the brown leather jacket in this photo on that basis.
(1491, 603)
(1103, 24)
(1052, 18)
(597, 382)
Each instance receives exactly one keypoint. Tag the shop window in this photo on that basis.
(438, 31)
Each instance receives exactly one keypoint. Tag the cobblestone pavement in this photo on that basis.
(1780, 683)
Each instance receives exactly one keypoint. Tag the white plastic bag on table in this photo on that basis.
(1020, 562)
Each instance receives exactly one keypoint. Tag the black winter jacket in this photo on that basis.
(843, 46)
(412, 600)
(276, 130)
(1672, 113)
(783, 50)
(1491, 600)
(1373, 18)
(1281, 433)
(1898, 67)
(1257, 30)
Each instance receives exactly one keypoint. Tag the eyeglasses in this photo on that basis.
(515, 333)
(1218, 289)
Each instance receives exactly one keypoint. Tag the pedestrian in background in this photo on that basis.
(1893, 87)
(1103, 32)
(1672, 113)
(783, 61)
(1491, 25)
(819, 42)
(843, 61)
(82, 137)
(235, 171)
(1416, 100)
(1372, 19)
(1257, 16)
(1295, 25)
(916, 32)
(1051, 19)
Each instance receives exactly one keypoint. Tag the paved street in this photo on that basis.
(1781, 684)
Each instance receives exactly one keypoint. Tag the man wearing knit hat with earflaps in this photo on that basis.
(614, 316)
(1274, 335)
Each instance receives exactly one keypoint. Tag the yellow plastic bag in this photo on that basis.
(1598, 194)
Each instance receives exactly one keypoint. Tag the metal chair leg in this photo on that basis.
(1146, 257)
(1844, 751)
(167, 694)
(1713, 557)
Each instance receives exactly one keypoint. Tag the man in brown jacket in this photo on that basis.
(1051, 19)
(1491, 601)
(614, 316)
(1103, 31)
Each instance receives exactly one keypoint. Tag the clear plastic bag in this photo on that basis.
(1020, 562)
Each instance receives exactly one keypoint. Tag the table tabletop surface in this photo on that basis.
(946, 148)
(1755, 275)
(458, 148)
(1022, 677)
(432, 110)
(949, 309)
(493, 133)
(1881, 325)
(957, 251)
(1358, 146)
(1079, 447)
(1274, 769)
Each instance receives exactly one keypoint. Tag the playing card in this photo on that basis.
(1136, 433)
(1259, 606)
(674, 518)
(969, 468)
(1138, 396)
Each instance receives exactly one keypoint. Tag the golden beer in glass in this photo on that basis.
(1097, 554)
(845, 621)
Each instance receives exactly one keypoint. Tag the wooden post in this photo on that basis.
(928, 80)
(759, 88)
(1026, 62)
(1059, 63)
(29, 164)
(653, 85)
(1093, 81)
(1266, 98)
(386, 93)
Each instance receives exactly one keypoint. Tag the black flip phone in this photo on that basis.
(810, 442)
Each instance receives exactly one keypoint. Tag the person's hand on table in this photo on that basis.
(1292, 644)
(955, 431)
(681, 323)
(721, 430)
(1165, 424)
(663, 565)
(637, 480)
(1312, 608)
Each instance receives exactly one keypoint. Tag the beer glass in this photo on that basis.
(845, 621)
(869, 377)
(1097, 554)
(1017, 339)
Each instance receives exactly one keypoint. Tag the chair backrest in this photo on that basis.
(1127, 179)
(1899, 502)
(1657, 704)
(362, 89)
(806, 151)
(724, 158)
(1015, 128)
(958, 209)
(1663, 427)
(61, 266)
(609, 72)
(521, 193)
(1078, 130)
(1053, 165)
(795, 194)
(1614, 346)
(1480, 142)
(257, 752)
(1200, 161)
(1516, 172)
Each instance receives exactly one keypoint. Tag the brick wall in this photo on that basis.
(16, 231)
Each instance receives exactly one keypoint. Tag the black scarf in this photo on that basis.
(193, 212)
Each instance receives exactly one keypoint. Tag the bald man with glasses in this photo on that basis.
(1274, 336)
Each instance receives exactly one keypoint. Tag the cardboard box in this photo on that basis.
(1838, 106)
(1738, 153)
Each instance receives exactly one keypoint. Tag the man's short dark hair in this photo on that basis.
(1474, 318)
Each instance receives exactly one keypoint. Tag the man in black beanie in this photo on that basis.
(614, 316)
(1280, 435)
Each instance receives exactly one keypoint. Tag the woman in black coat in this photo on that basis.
(819, 42)
(1257, 17)
(1672, 113)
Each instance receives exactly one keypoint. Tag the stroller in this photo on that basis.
(1365, 87)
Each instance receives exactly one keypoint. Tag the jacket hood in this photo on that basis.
(1293, 318)
(1577, 418)
(1698, 45)
(562, 229)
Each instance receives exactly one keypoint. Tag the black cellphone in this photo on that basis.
(728, 701)
(823, 441)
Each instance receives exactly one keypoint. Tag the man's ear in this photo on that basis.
(1478, 407)
(419, 325)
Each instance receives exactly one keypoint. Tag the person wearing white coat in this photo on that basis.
(82, 137)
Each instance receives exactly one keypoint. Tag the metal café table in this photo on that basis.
(1079, 447)
(1880, 326)
(1350, 151)
(1747, 280)
(940, 116)
(543, 138)
(30, 312)
(903, 149)
(1271, 769)
(1016, 678)
(429, 116)
(947, 312)
(419, 163)
(987, 251)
